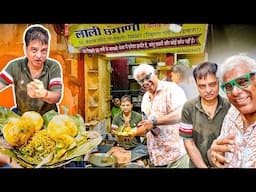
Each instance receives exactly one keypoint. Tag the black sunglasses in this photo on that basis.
(146, 78)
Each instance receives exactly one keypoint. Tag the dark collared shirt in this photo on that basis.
(17, 73)
(197, 125)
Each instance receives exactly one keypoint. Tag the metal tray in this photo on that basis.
(101, 159)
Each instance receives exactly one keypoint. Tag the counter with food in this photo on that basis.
(47, 141)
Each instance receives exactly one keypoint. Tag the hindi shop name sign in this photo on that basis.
(146, 38)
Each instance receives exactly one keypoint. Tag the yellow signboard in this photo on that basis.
(146, 38)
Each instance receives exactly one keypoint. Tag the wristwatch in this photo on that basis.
(154, 122)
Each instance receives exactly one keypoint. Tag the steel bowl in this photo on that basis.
(102, 160)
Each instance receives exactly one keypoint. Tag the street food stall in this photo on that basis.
(86, 51)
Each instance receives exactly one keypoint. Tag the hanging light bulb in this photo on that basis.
(176, 28)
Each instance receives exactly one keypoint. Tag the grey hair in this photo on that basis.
(181, 69)
(144, 67)
(236, 61)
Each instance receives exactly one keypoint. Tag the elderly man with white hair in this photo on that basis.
(162, 104)
(236, 146)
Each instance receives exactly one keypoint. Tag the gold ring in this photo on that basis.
(214, 157)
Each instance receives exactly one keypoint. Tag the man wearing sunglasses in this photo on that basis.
(236, 146)
(161, 106)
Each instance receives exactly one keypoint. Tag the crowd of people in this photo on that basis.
(208, 130)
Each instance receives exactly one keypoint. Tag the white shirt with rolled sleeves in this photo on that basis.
(168, 146)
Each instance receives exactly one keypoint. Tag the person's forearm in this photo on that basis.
(194, 154)
(172, 118)
(141, 130)
(197, 159)
(52, 97)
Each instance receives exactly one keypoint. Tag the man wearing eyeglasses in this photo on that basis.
(236, 146)
(161, 106)
(202, 116)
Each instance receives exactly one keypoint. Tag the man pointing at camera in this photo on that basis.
(37, 80)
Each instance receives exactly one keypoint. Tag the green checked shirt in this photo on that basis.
(134, 120)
